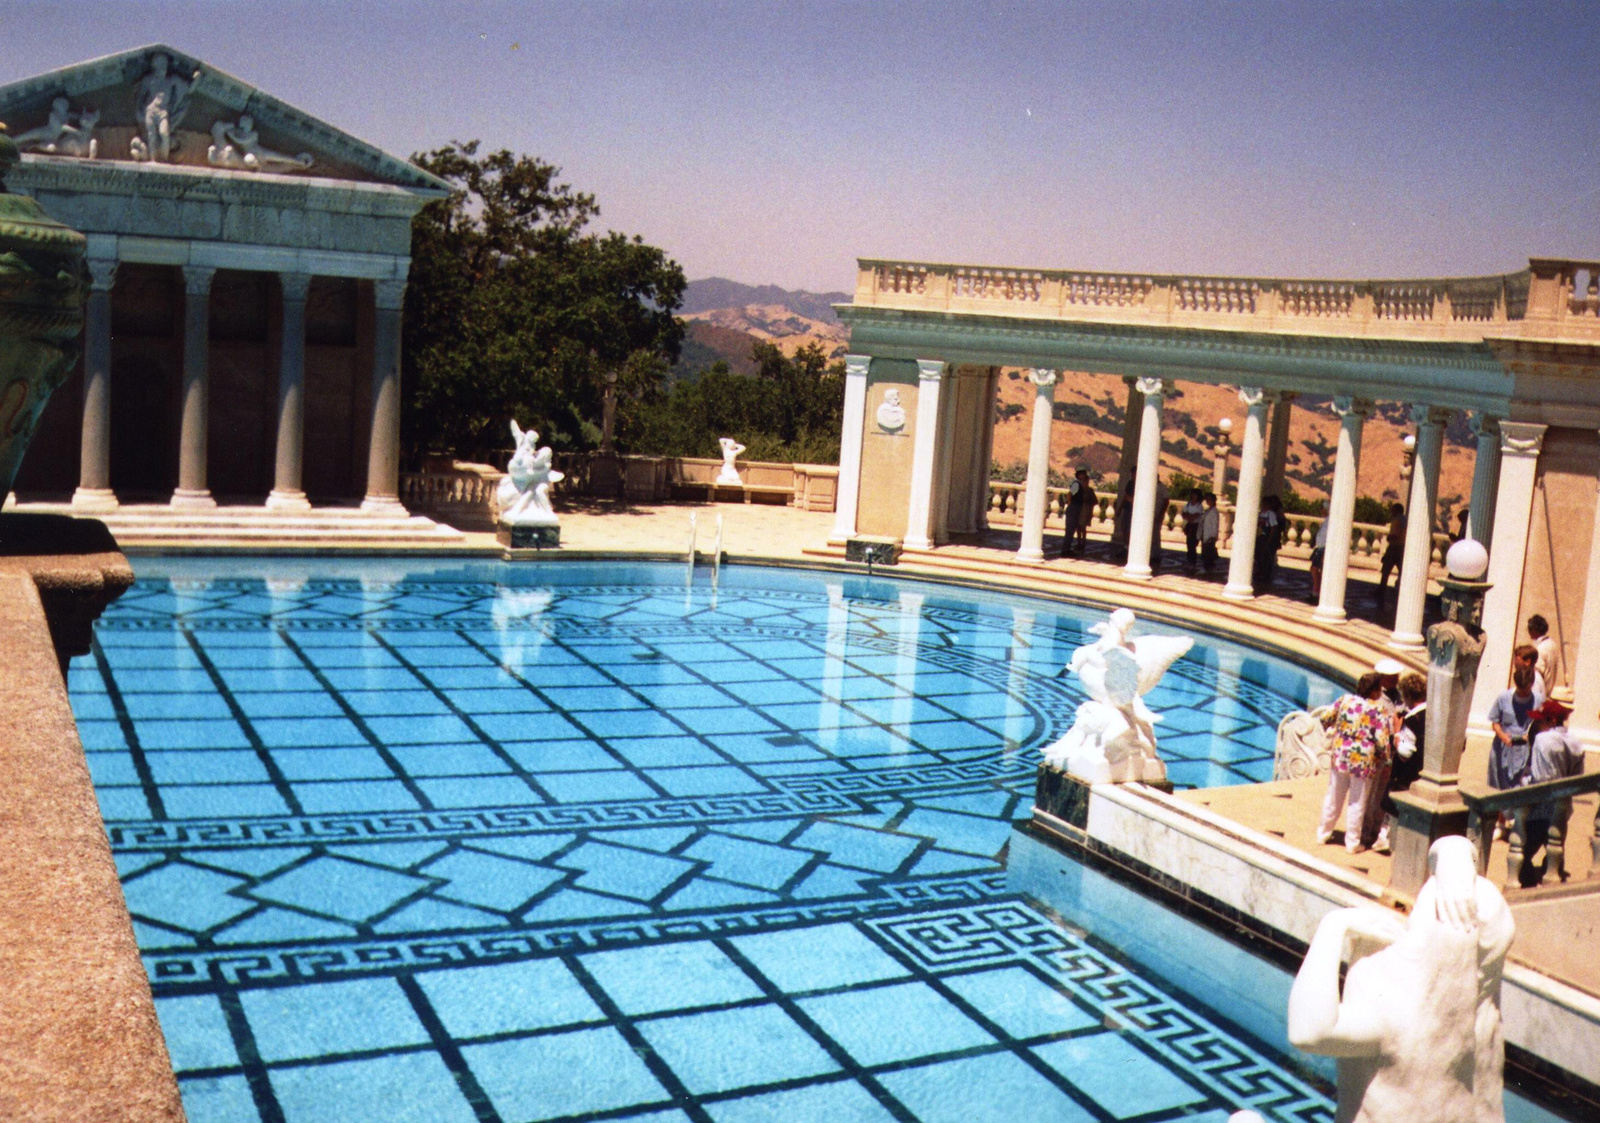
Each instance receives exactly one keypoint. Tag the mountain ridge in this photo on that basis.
(711, 294)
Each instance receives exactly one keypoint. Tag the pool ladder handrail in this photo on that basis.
(716, 558)
(693, 537)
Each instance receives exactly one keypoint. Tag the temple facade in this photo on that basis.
(1518, 353)
(249, 266)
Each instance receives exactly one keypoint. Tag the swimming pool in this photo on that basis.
(495, 842)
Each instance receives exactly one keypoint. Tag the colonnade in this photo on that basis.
(96, 491)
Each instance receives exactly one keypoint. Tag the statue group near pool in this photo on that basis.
(1113, 738)
(524, 495)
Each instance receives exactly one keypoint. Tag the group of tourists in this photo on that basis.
(1375, 739)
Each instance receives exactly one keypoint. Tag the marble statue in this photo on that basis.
(1302, 745)
(161, 100)
(891, 414)
(59, 136)
(730, 452)
(239, 146)
(1417, 1028)
(1113, 737)
(524, 494)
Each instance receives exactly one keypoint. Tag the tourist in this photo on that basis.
(1210, 528)
(1389, 672)
(1395, 551)
(1079, 513)
(1405, 764)
(1525, 654)
(1556, 754)
(1545, 644)
(1509, 716)
(1269, 540)
(1319, 552)
(1159, 518)
(1361, 728)
(1192, 510)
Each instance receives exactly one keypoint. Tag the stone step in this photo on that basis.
(158, 524)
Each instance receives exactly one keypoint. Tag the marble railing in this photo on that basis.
(1550, 297)
(462, 495)
(1367, 541)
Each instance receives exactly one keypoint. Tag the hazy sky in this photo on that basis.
(777, 142)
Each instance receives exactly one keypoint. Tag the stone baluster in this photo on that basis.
(856, 368)
(1142, 522)
(94, 492)
(1418, 556)
(924, 455)
(1036, 497)
(383, 447)
(192, 491)
(288, 469)
(1247, 511)
(1342, 508)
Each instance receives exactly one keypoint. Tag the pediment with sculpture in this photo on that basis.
(159, 106)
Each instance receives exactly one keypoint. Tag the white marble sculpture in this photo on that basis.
(730, 452)
(524, 495)
(1302, 745)
(59, 136)
(161, 100)
(891, 414)
(1113, 738)
(239, 146)
(1417, 1028)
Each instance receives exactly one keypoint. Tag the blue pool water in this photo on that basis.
(587, 841)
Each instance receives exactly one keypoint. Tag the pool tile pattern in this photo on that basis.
(450, 849)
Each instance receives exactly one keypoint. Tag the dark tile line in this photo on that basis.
(130, 734)
(250, 1063)
(275, 774)
(449, 1051)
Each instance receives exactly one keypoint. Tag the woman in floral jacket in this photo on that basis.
(1361, 730)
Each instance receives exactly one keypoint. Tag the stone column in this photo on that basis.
(1132, 416)
(1247, 510)
(1520, 443)
(94, 492)
(1141, 527)
(287, 494)
(1485, 478)
(192, 490)
(1278, 446)
(980, 478)
(383, 448)
(924, 455)
(1342, 508)
(850, 436)
(1035, 499)
(1413, 594)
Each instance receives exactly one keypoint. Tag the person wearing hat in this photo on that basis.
(1389, 671)
(1405, 763)
(1556, 755)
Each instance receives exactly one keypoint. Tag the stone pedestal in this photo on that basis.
(530, 537)
(1433, 807)
(878, 549)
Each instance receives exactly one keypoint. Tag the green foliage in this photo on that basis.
(1372, 511)
(791, 410)
(515, 310)
(1296, 504)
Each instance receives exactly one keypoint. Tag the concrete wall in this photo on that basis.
(886, 457)
(1554, 576)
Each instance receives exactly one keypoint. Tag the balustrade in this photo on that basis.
(1316, 298)
(1217, 294)
(895, 277)
(995, 284)
(1484, 806)
(1111, 290)
(1403, 300)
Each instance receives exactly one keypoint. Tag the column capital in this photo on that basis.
(102, 273)
(197, 279)
(930, 370)
(390, 294)
(1153, 387)
(1521, 438)
(1483, 425)
(1424, 414)
(1043, 377)
(1254, 396)
(857, 366)
(295, 285)
(1344, 406)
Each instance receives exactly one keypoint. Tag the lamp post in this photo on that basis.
(1432, 807)
(1408, 461)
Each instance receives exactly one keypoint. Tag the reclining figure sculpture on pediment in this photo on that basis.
(59, 136)
(238, 145)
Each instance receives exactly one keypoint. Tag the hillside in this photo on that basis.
(726, 317)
